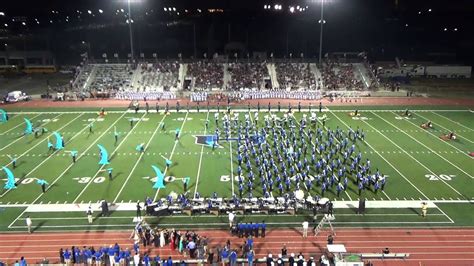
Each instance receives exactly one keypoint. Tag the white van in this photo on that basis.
(17, 96)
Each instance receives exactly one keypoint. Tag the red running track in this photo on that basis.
(426, 246)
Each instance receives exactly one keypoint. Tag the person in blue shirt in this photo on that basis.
(169, 262)
(157, 260)
(111, 254)
(67, 257)
(250, 257)
(250, 242)
(146, 260)
(233, 258)
(98, 257)
(116, 259)
(23, 262)
(224, 256)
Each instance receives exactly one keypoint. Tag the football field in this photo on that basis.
(418, 165)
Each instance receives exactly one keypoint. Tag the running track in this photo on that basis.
(426, 246)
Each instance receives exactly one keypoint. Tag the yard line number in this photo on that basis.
(444, 177)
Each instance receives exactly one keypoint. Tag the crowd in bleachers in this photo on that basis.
(158, 75)
(151, 95)
(207, 75)
(295, 76)
(340, 77)
(81, 75)
(247, 75)
(113, 77)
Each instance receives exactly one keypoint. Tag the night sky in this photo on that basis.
(412, 29)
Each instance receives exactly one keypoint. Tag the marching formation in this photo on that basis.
(287, 157)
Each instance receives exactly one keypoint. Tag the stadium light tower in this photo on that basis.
(130, 31)
(321, 21)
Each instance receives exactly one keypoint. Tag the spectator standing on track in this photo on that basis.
(231, 219)
(291, 259)
(89, 214)
(233, 258)
(330, 239)
(61, 255)
(192, 248)
(67, 257)
(29, 223)
(305, 229)
(139, 210)
(23, 261)
(250, 257)
(284, 251)
(424, 209)
(136, 259)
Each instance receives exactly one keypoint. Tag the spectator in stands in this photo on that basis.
(295, 76)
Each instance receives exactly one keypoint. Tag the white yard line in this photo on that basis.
(200, 162)
(41, 142)
(409, 155)
(445, 214)
(437, 137)
(383, 158)
(13, 142)
(456, 122)
(429, 147)
(172, 152)
(448, 130)
(67, 169)
(47, 158)
(139, 158)
(113, 152)
(231, 161)
(22, 123)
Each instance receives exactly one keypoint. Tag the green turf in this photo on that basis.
(419, 164)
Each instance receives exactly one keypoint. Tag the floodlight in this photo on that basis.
(165, 9)
(292, 9)
(101, 11)
(2, 13)
(90, 12)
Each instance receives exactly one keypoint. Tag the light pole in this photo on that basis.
(130, 31)
(321, 31)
